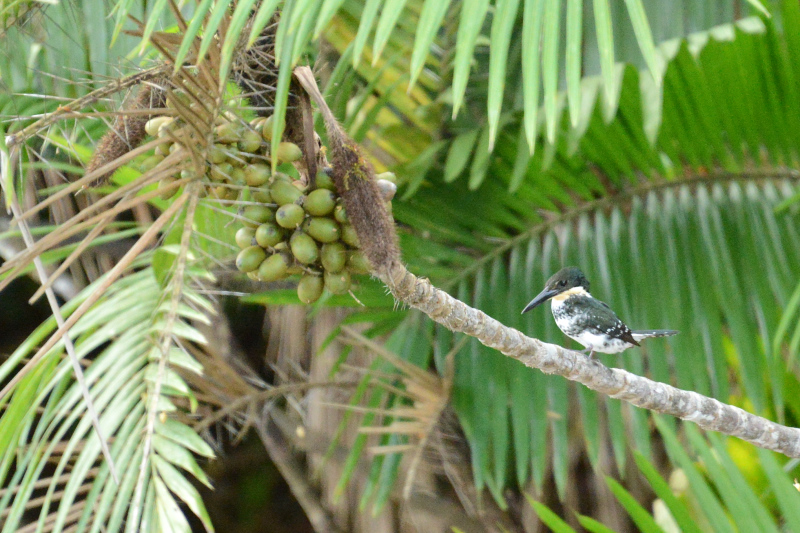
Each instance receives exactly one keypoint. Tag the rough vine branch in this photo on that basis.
(708, 413)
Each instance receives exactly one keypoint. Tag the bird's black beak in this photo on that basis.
(541, 298)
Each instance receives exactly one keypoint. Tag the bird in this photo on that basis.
(587, 320)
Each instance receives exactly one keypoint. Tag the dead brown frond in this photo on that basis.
(416, 417)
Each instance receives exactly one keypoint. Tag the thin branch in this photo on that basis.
(279, 451)
(708, 413)
(94, 96)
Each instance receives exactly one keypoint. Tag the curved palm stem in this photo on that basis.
(708, 413)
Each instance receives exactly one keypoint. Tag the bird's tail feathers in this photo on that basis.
(647, 333)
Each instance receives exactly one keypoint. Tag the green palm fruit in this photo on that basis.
(257, 214)
(340, 214)
(387, 188)
(266, 129)
(388, 176)
(323, 229)
(295, 268)
(220, 192)
(261, 195)
(290, 216)
(349, 235)
(357, 262)
(237, 176)
(250, 258)
(217, 154)
(274, 267)
(251, 142)
(154, 124)
(288, 152)
(257, 123)
(333, 256)
(163, 149)
(337, 282)
(304, 249)
(324, 181)
(280, 176)
(284, 192)
(228, 133)
(221, 172)
(167, 194)
(150, 163)
(309, 289)
(256, 174)
(320, 202)
(268, 235)
(244, 237)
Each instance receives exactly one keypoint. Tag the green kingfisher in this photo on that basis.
(587, 320)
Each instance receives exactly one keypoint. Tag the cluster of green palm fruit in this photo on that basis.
(298, 230)
(238, 156)
(288, 227)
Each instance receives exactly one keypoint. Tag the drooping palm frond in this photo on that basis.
(595, 26)
(51, 459)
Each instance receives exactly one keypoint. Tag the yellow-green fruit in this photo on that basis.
(387, 188)
(268, 235)
(349, 235)
(257, 214)
(357, 263)
(250, 258)
(256, 174)
(261, 195)
(237, 175)
(323, 229)
(288, 152)
(228, 133)
(257, 123)
(253, 275)
(266, 129)
(304, 249)
(320, 202)
(290, 216)
(163, 149)
(167, 194)
(174, 147)
(324, 181)
(333, 256)
(337, 282)
(217, 154)
(151, 162)
(244, 237)
(309, 289)
(251, 142)
(154, 124)
(388, 176)
(220, 192)
(273, 267)
(221, 172)
(280, 176)
(284, 192)
(340, 215)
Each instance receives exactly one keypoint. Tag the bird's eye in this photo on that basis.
(562, 283)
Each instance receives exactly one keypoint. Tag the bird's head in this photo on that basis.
(567, 279)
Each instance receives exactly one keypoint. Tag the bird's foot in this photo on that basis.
(589, 352)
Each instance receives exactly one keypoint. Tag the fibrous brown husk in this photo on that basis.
(128, 130)
(355, 180)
